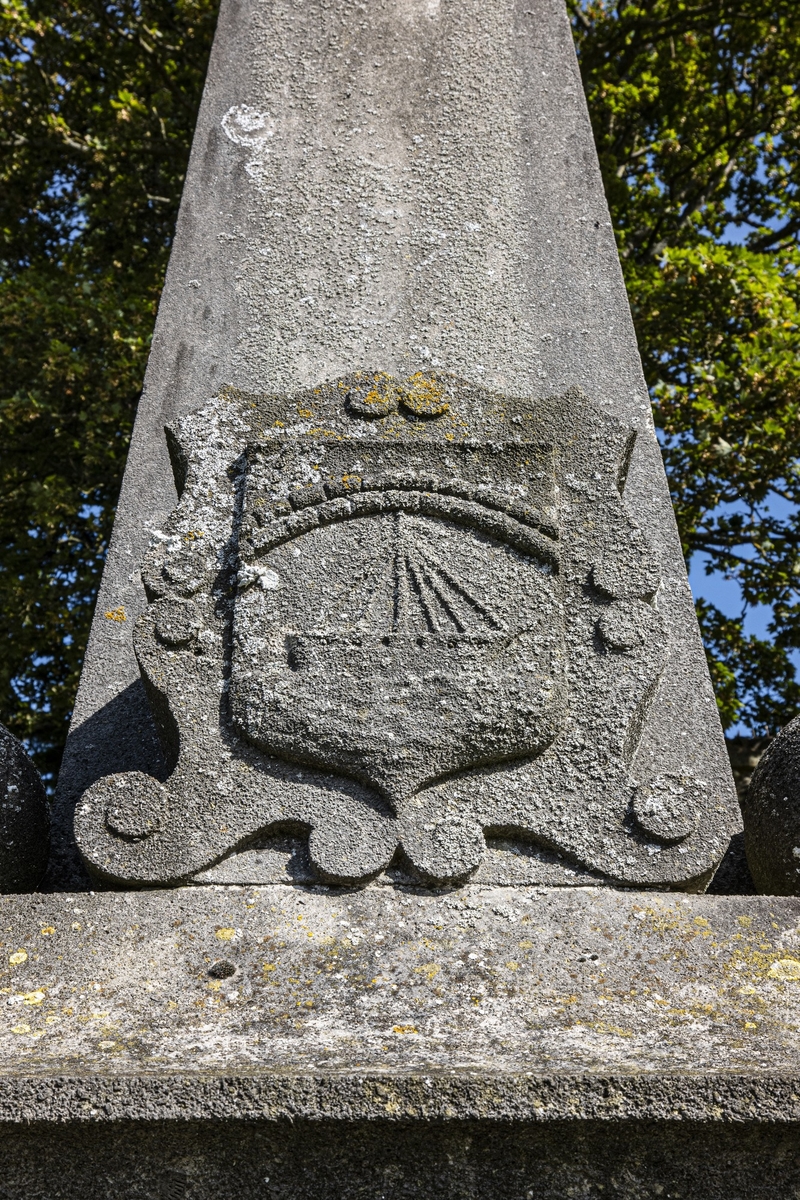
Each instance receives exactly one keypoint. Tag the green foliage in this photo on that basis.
(695, 111)
(97, 108)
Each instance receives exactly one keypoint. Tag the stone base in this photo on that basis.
(453, 1160)
(386, 1043)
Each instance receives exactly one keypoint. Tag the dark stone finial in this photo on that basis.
(24, 818)
(771, 812)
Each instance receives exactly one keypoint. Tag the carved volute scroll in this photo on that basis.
(402, 616)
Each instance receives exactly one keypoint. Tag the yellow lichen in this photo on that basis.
(116, 614)
(602, 1027)
(424, 396)
(33, 998)
(785, 968)
(18, 957)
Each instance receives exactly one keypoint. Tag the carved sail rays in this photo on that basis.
(412, 592)
(427, 597)
(390, 658)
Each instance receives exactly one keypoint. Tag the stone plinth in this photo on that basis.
(481, 1042)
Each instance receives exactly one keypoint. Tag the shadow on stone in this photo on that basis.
(733, 876)
(397, 1161)
(771, 812)
(24, 818)
(120, 736)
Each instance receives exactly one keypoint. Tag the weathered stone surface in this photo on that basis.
(24, 818)
(504, 996)
(482, 1042)
(771, 808)
(413, 196)
(296, 1159)
(467, 547)
(403, 622)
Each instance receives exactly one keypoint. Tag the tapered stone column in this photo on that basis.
(406, 188)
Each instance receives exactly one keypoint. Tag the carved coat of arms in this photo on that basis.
(403, 616)
(416, 628)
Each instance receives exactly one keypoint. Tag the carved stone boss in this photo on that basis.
(401, 616)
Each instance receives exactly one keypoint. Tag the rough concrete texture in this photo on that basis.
(509, 998)
(476, 1043)
(771, 805)
(407, 188)
(24, 818)
(434, 597)
(444, 1160)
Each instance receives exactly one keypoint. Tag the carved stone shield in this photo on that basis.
(396, 618)
(399, 612)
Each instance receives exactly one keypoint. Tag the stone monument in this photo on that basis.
(395, 777)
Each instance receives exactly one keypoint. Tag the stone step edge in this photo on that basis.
(175, 1095)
